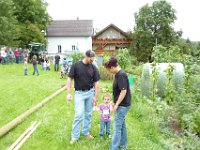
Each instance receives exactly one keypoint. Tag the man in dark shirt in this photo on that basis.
(85, 76)
(57, 60)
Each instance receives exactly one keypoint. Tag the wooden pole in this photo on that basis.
(22, 136)
(23, 116)
(26, 137)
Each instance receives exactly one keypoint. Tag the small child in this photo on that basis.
(63, 72)
(25, 66)
(48, 65)
(105, 109)
(44, 65)
(35, 68)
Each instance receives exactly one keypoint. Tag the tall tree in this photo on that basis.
(153, 26)
(8, 24)
(33, 18)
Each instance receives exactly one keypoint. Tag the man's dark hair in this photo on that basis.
(90, 53)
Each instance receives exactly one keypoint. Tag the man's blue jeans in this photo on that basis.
(83, 102)
(35, 69)
(104, 125)
(119, 139)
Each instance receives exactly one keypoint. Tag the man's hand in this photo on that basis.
(69, 97)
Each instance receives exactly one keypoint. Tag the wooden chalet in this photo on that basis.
(109, 40)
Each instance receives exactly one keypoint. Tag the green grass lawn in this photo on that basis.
(18, 93)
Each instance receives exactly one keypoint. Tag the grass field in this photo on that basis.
(18, 93)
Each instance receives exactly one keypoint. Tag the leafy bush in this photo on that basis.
(77, 56)
(191, 122)
(163, 54)
(136, 70)
(104, 74)
(123, 58)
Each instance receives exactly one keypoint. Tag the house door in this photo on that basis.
(59, 49)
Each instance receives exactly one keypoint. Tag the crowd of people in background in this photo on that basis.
(22, 56)
(9, 56)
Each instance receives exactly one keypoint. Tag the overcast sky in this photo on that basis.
(121, 13)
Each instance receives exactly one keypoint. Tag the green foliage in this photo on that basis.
(77, 56)
(155, 73)
(134, 69)
(169, 94)
(8, 24)
(185, 46)
(146, 124)
(153, 26)
(185, 102)
(105, 74)
(196, 119)
(30, 33)
(123, 58)
(124, 61)
(163, 54)
(170, 54)
(106, 57)
(187, 106)
(22, 22)
(191, 122)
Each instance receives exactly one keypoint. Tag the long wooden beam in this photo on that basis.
(22, 136)
(18, 146)
(23, 116)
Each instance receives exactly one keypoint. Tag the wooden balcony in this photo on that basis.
(100, 44)
(110, 41)
(101, 52)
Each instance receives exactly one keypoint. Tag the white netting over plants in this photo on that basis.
(147, 78)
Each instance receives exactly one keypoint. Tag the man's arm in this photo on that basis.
(96, 88)
(69, 84)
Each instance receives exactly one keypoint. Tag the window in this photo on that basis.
(77, 48)
(73, 47)
(59, 49)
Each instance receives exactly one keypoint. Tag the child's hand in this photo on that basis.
(95, 108)
(115, 108)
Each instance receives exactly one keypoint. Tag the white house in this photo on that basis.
(68, 36)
